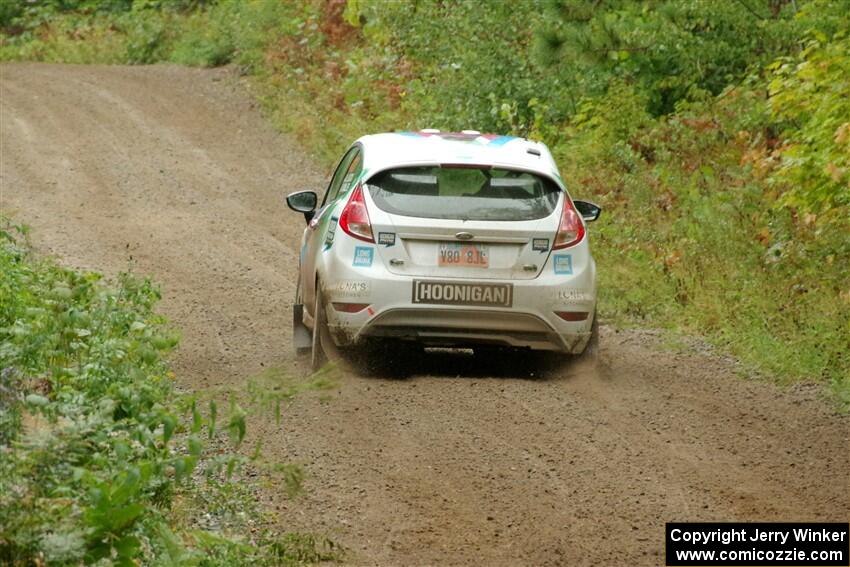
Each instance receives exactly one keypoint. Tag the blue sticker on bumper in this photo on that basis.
(363, 256)
(563, 264)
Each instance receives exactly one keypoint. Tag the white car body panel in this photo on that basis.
(412, 148)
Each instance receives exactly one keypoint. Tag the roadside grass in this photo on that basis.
(725, 218)
(264, 396)
(267, 391)
(102, 460)
(694, 242)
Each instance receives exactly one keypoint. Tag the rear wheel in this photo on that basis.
(321, 336)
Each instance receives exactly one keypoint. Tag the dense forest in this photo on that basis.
(714, 133)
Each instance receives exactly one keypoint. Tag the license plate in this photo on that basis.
(463, 255)
(455, 293)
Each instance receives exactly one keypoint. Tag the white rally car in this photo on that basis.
(445, 239)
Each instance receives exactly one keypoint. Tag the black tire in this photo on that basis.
(321, 335)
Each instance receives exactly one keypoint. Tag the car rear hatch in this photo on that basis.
(463, 222)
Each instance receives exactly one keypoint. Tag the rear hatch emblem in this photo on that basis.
(464, 236)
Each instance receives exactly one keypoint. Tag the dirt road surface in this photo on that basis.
(463, 462)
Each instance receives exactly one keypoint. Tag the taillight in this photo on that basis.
(354, 219)
(572, 315)
(350, 307)
(571, 229)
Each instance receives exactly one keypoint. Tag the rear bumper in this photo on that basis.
(531, 321)
(466, 327)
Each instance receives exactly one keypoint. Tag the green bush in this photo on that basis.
(146, 37)
(94, 440)
(674, 49)
(469, 63)
(810, 95)
(204, 44)
(190, 32)
(232, 30)
(88, 456)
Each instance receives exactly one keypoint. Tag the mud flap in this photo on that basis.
(302, 338)
(591, 351)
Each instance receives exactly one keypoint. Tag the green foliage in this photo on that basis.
(87, 460)
(810, 95)
(673, 49)
(607, 124)
(190, 32)
(233, 30)
(95, 442)
(469, 61)
(146, 37)
(10, 11)
(70, 39)
(694, 241)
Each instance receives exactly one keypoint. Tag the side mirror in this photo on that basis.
(303, 202)
(588, 211)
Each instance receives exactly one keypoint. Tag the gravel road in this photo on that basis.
(175, 172)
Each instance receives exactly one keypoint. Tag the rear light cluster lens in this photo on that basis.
(572, 316)
(350, 307)
(571, 229)
(354, 219)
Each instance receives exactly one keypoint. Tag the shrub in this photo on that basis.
(146, 36)
(88, 460)
(809, 96)
(93, 441)
(230, 30)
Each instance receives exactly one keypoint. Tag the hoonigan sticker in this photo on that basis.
(455, 293)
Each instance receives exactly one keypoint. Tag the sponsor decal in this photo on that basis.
(540, 244)
(493, 140)
(363, 256)
(453, 293)
(329, 238)
(386, 238)
(563, 264)
(570, 295)
(350, 288)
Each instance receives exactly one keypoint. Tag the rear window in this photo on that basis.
(464, 193)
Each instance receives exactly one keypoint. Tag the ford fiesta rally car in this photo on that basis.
(449, 240)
